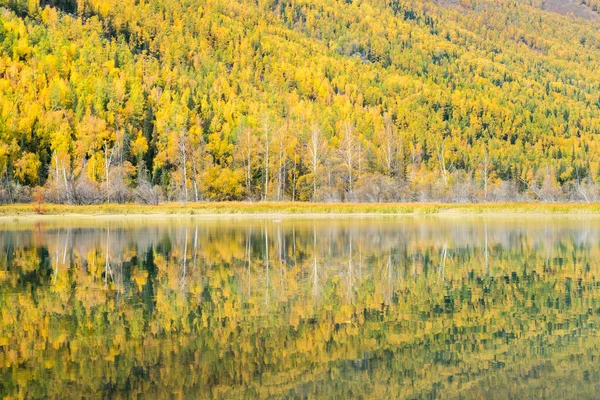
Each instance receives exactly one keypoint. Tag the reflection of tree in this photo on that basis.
(348, 316)
(184, 262)
(442, 266)
(267, 265)
(107, 268)
(315, 271)
(349, 271)
(249, 261)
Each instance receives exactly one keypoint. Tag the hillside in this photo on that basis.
(372, 100)
(576, 8)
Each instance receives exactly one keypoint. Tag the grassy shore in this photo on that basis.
(297, 208)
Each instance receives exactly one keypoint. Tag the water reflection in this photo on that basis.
(372, 307)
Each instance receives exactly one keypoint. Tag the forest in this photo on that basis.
(298, 100)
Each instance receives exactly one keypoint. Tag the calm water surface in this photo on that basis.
(411, 307)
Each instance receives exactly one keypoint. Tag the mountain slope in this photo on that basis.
(332, 100)
(572, 7)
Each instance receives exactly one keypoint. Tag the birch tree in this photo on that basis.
(349, 151)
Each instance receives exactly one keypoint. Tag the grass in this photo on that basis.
(205, 208)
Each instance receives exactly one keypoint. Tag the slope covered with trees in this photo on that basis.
(363, 100)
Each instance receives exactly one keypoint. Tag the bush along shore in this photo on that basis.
(207, 208)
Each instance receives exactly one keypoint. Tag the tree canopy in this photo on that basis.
(363, 100)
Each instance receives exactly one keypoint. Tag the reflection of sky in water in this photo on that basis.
(379, 307)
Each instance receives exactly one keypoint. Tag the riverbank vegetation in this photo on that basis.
(346, 101)
(211, 208)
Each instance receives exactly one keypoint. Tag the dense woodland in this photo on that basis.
(307, 100)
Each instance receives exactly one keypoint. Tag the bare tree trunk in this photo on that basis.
(582, 193)
(182, 144)
(59, 192)
(442, 162)
(294, 179)
(349, 160)
(413, 166)
(359, 161)
(315, 157)
(283, 177)
(107, 162)
(390, 145)
(67, 188)
(485, 175)
(348, 149)
(267, 144)
(195, 171)
(8, 186)
(248, 160)
(580, 190)
(279, 172)
(185, 175)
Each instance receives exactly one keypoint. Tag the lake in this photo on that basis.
(300, 307)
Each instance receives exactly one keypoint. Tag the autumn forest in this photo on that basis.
(298, 100)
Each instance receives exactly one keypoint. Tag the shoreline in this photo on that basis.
(289, 209)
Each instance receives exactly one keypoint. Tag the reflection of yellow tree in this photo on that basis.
(190, 310)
